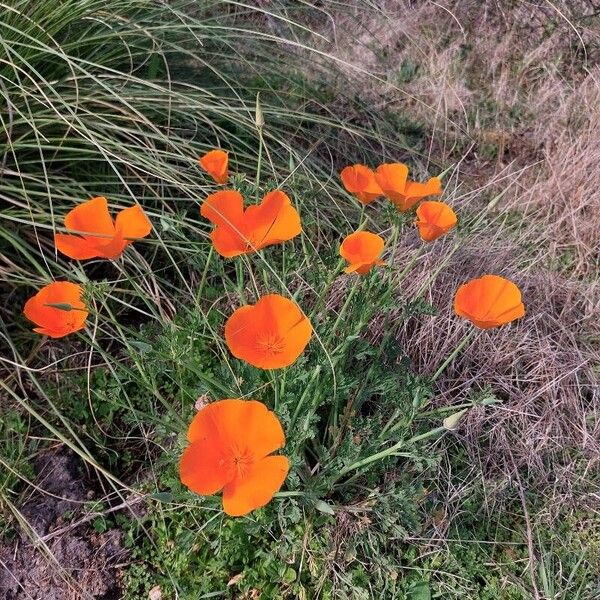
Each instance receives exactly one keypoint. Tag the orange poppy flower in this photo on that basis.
(434, 219)
(240, 231)
(98, 236)
(393, 180)
(270, 334)
(230, 448)
(216, 163)
(57, 309)
(360, 181)
(362, 250)
(489, 301)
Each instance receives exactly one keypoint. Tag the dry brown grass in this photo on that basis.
(510, 92)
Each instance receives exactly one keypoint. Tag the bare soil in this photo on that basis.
(77, 564)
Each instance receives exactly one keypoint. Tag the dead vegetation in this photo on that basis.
(80, 563)
(509, 93)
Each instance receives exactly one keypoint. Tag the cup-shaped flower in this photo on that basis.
(362, 250)
(360, 181)
(489, 301)
(240, 231)
(57, 309)
(393, 181)
(270, 334)
(230, 447)
(434, 219)
(95, 235)
(216, 164)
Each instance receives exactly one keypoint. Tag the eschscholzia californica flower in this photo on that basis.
(216, 163)
(489, 301)
(393, 181)
(230, 449)
(360, 181)
(362, 250)
(240, 231)
(57, 309)
(434, 219)
(270, 334)
(97, 236)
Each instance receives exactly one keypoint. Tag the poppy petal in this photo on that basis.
(216, 163)
(114, 248)
(360, 181)
(228, 243)
(204, 468)
(272, 221)
(392, 177)
(53, 321)
(434, 219)
(75, 247)
(362, 250)
(489, 301)
(224, 208)
(91, 217)
(132, 223)
(279, 311)
(241, 333)
(233, 422)
(257, 487)
(415, 190)
(270, 334)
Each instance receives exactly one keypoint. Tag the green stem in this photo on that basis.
(411, 263)
(305, 393)
(453, 354)
(204, 275)
(288, 494)
(239, 272)
(259, 161)
(323, 296)
(274, 385)
(387, 452)
(346, 304)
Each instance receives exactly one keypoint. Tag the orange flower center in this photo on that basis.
(271, 343)
(242, 461)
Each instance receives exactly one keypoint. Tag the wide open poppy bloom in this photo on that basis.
(216, 163)
(434, 219)
(489, 301)
(97, 235)
(393, 180)
(362, 250)
(270, 334)
(360, 181)
(57, 309)
(230, 443)
(240, 231)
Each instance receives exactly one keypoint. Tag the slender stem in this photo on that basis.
(361, 225)
(411, 263)
(453, 354)
(305, 393)
(328, 283)
(387, 452)
(288, 494)
(204, 275)
(275, 386)
(259, 161)
(346, 304)
(393, 242)
(454, 407)
(239, 272)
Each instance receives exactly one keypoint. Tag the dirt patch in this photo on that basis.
(77, 564)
